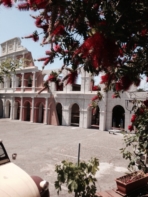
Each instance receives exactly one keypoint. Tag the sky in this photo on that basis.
(15, 23)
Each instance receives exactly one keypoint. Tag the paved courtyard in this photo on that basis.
(39, 147)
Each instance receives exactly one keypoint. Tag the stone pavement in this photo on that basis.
(39, 147)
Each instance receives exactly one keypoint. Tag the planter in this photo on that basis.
(130, 183)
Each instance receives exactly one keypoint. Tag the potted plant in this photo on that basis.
(136, 150)
(79, 179)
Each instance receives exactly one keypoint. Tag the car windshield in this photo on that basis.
(3, 155)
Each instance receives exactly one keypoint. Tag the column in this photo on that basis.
(102, 120)
(12, 80)
(85, 119)
(66, 117)
(23, 60)
(5, 81)
(81, 118)
(4, 107)
(46, 111)
(12, 108)
(21, 108)
(33, 82)
(32, 110)
(14, 45)
(22, 82)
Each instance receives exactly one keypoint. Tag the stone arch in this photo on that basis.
(95, 117)
(17, 110)
(27, 111)
(75, 114)
(1, 108)
(29, 81)
(8, 109)
(59, 112)
(118, 117)
(40, 114)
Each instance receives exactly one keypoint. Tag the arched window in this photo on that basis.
(27, 112)
(41, 113)
(59, 112)
(95, 117)
(118, 117)
(29, 81)
(75, 115)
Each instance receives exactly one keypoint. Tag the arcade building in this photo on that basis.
(19, 98)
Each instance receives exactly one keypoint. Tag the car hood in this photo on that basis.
(14, 182)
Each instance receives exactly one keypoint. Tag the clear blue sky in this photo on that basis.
(15, 23)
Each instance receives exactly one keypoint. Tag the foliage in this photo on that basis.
(109, 36)
(8, 67)
(78, 179)
(138, 141)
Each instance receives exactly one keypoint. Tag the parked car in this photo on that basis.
(15, 182)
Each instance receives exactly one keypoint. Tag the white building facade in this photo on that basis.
(19, 97)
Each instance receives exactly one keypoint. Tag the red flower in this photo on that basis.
(7, 3)
(146, 103)
(59, 30)
(42, 59)
(114, 96)
(71, 79)
(48, 52)
(121, 52)
(57, 48)
(140, 111)
(44, 27)
(34, 36)
(130, 127)
(144, 32)
(133, 118)
(38, 21)
(105, 78)
(23, 6)
(95, 98)
(37, 4)
(118, 86)
(95, 88)
(51, 78)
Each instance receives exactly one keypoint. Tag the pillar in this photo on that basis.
(12, 81)
(33, 82)
(23, 60)
(4, 108)
(32, 110)
(22, 82)
(46, 111)
(5, 81)
(81, 118)
(21, 108)
(12, 108)
(66, 117)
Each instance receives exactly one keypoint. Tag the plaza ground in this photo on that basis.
(39, 147)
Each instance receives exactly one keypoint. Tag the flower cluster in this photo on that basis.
(106, 44)
(139, 141)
